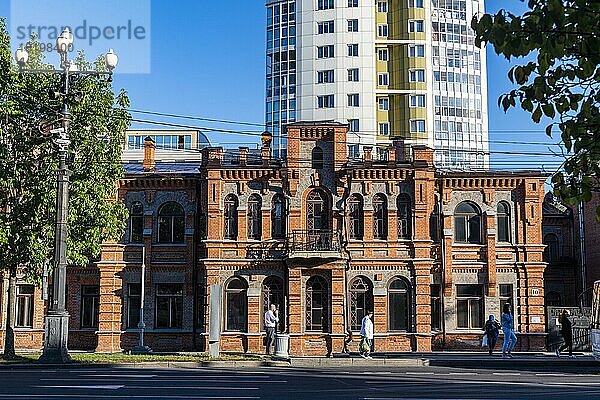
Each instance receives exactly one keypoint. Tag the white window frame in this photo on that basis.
(413, 25)
(383, 103)
(353, 100)
(382, 51)
(414, 101)
(417, 124)
(384, 129)
(382, 6)
(382, 30)
(415, 73)
(412, 50)
(352, 74)
(351, 50)
(383, 79)
(353, 25)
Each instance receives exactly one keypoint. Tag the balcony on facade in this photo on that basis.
(315, 245)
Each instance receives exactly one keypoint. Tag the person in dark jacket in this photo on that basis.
(492, 331)
(566, 330)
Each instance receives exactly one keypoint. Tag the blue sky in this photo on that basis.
(207, 60)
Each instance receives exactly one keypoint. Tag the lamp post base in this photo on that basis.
(55, 339)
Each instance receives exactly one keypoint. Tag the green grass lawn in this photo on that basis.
(121, 358)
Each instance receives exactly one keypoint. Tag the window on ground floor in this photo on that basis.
(506, 296)
(236, 301)
(317, 304)
(90, 306)
(134, 301)
(399, 305)
(25, 299)
(272, 293)
(436, 307)
(469, 306)
(169, 306)
(361, 301)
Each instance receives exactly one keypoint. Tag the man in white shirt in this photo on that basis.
(271, 320)
(366, 333)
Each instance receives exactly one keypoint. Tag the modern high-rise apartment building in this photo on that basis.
(388, 68)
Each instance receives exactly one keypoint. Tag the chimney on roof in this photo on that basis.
(368, 150)
(243, 156)
(400, 149)
(149, 162)
(265, 151)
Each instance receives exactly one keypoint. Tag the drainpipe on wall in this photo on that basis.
(582, 249)
(443, 263)
(348, 260)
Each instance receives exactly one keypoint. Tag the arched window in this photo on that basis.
(361, 301)
(236, 301)
(317, 304)
(467, 223)
(552, 251)
(317, 158)
(356, 214)
(317, 211)
(503, 221)
(399, 305)
(171, 223)
(231, 217)
(434, 223)
(380, 217)
(254, 217)
(278, 216)
(136, 223)
(272, 293)
(404, 217)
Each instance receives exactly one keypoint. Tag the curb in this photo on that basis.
(358, 362)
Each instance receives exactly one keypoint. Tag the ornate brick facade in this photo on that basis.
(325, 238)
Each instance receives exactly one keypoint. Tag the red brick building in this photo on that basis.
(325, 238)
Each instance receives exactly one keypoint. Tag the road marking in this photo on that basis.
(129, 396)
(462, 373)
(117, 376)
(100, 387)
(419, 373)
(507, 373)
(551, 374)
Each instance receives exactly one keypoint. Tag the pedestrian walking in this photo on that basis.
(508, 327)
(566, 329)
(271, 320)
(492, 331)
(366, 333)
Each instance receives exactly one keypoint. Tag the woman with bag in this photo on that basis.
(492, 331)
(366, 333)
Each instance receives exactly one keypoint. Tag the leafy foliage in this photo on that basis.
(28, 163)
(561, 83)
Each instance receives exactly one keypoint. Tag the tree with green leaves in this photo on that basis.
(558, 42)
(29, 160)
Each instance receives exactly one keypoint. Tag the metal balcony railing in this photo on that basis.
(315, 242)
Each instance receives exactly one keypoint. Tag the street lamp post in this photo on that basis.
(57, 321)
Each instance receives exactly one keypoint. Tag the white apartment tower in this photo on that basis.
(388, 68)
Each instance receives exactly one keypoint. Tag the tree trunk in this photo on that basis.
(9, 337)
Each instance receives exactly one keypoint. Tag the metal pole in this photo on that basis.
(141, 348)
(582, 249)
(57, 321)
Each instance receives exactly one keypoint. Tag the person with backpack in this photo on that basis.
(566, 329)
(492, 331)
(508, 327)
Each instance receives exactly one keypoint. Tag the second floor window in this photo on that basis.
(404, 217)
(503, 222)
(231, 217)
(136, 223)
(355, 213)
(254, 217)
(171, 223)
(467, 223)
(278, 216)
(380, 227)
(317, 211)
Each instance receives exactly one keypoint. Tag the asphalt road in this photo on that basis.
(285, 383)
